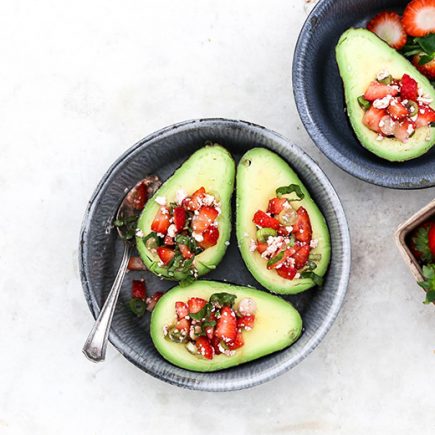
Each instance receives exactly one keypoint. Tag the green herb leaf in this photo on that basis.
(118, 222)
(427, 43)
(318, 280)
(203, 313)
(421, 242)
(187, 281)
(137, 306)
(285, 190)
(274, 260)
(222, 299)
(363, 103)
(426, 58)
(430, 297)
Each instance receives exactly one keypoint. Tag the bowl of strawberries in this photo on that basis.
(364, 85)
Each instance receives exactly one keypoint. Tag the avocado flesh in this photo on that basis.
(213, 168)
(260, 172)
(360, 56)
(277, 325)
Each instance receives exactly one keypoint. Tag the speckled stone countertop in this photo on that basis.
(82, 81)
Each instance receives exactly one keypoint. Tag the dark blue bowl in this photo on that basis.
(319, 96)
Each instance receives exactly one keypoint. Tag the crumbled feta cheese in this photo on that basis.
(382, 74)
(298, 275)
(289, 228)
(382, 103)
(291, 262)
(180, 195)
(424, 99)
(196, 212)
(245, 234)
(314, 243)
(172, 230)
(247, 307)
(161, 235)
(161, 200)
(139, 232)
(227, 243)
(273, 244)
(410, 129)
(164, 210)
(381, 123)
(252, 245)
(379, 137)
(208, 199)
(286, 205)
(160, 264)
(198, 237)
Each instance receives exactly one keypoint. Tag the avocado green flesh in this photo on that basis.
(360, 56)
(277, 325)
(213, 168)
(259, 174)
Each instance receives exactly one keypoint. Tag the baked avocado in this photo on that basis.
(277, 325)
(259, 174)
(211, 170)
(360, 56)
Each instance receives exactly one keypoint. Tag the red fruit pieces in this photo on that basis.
(205, 217)
(138, 197)
(388, 26)
(431, 239)
(151, 301)
(179, 218)
(135, 263)
(428, 69)
(302, 229)
(426, 115)
(265, 221)
(246, 322)
(161, 221)
(204, 347)
(183, 325)
(226, 327)
(181, 309)
(276, 205)
(397, 110)
(195, 201)
(377, 90)
(301, 256)
(261, 247)
(403, 130)
(419, 17)
(287, 272)
(185, 252)
(165, 254)
(209, 237)
(409, 88)
(372, 117)
(196, 304)
(138, 289)
(238, 341)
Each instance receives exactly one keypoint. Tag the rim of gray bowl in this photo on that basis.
(279, 368)
(316, 134)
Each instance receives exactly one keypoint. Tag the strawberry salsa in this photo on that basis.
(284, 237)
(395, 107)
(213, 327)
(183, 229)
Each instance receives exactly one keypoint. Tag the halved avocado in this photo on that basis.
(213, 168)
(360, 56)
(260, 172)
(277, 325)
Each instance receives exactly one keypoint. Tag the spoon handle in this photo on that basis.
(96, 343)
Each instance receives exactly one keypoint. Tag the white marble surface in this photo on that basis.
(82, 81)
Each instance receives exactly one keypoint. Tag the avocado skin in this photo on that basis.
(213, 168)
(360, 55)
(259, 173)
(277, 325)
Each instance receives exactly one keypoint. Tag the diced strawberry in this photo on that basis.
(386, 125)
(419, 17)
(151, 301)
(165, 254)
(426, 115)
(168, 241)
(181, 309)
(195, 201)
(215, 343)
(261, 247)
(403, 130)
(378, 90)
(301, 256)
(287, 253)
(138, 196)
(209, 331)
(210, 237)
(135, 263)
(396, 110)
(409, 88)
(138, 289)
(237, 343)
(372, 117)
(387, 26)
(246, 322)
(183, 325)
(431, 239)
(282, 231)
(286, 272)
(196, 304)
(204, 347)
(226, 327)
(428, 69)
(265, 221)
(276, 205)
(205, 217)
(179, 218)
(302, 229)
(185, 252)
(161, 221)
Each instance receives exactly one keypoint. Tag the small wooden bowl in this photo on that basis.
(401, 236)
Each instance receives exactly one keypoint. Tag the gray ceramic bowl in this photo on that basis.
(100, 250)
(318, 91)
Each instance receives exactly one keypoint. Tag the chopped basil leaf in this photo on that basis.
(137, 306)
(222, 299)
(284, 190)
(426, 58)
(202, 313)
(311, 265)
(318, 280)
(427, 43)
(275, 259)
(430, 297)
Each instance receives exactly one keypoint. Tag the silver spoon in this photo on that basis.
(128, 212)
